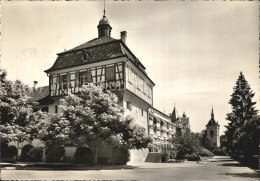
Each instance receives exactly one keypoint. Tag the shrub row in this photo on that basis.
(31, 154)
(85, 155)
(8, 153)
(54, 154)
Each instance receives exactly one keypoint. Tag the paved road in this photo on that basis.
(218, 168)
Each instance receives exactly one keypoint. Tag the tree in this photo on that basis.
(93, 118)
(186, 144)
(243, 111)
(249, 137)
(205, 142)
(18, 122)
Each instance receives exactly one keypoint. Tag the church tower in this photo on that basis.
(213, 130)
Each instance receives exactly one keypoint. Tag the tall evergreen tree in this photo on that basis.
(243, 110)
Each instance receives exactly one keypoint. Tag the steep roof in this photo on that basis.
(212, 122)
(41, 95)
(93, 42)
(173, 115)
(97, 49)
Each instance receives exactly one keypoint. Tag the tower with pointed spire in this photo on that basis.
(182, 122)
(212, 130)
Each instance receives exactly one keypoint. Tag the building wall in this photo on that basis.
(161, 129)
(138, 84)
(215, 139)
(137, 156)
(139, 110)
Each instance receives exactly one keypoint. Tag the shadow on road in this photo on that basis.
(222, 160)
(64, 167)
(244, 175)
(233, 165)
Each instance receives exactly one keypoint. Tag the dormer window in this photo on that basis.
(85, 56)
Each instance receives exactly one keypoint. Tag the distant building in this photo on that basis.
(161, 129)
(212, 130)
(182, 122)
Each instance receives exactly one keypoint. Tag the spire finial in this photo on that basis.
(104, 9)
(212, 113)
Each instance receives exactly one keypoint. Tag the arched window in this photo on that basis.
(211, 133)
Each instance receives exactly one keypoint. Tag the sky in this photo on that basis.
(192, 50)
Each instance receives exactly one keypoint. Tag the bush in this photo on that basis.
(120, 156)
(83, 155)
(165, 156)
(10, 155)
(54, 154)
(220, 152)
(192, 157)
(25, 150)
(4, 147)
(172, 154)
(205, 152)
(11, 152)
(35, 155)
(250, 161)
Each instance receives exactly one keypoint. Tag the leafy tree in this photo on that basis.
(93, 118)
(243, 111)
(186, 144)
(18, 122)
(205, 142)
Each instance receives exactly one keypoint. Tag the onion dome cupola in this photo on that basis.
(104, 28)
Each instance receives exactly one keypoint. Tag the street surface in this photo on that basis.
(217, 168)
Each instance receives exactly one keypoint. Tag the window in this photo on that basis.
(211, 133)
(72, 82)
(142, 112)
(141, 85)
(155, 129)
(85, 56)
(101, 74)
(129, 105)
(45, 109)
(63, 81)
(110, 73)
(56, 108)
(149, 89)
(83, 78)
(54, 81)
(145, 88)
(154, 121)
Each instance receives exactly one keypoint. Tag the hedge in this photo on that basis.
(54, 154)
(83, 155)
(120, 156)
(35, 154)
(25, 150)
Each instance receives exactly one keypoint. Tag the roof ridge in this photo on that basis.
(81, 46)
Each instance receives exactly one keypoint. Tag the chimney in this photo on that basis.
(34, 85)
(123, 36)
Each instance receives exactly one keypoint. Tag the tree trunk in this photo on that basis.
(95, 156)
